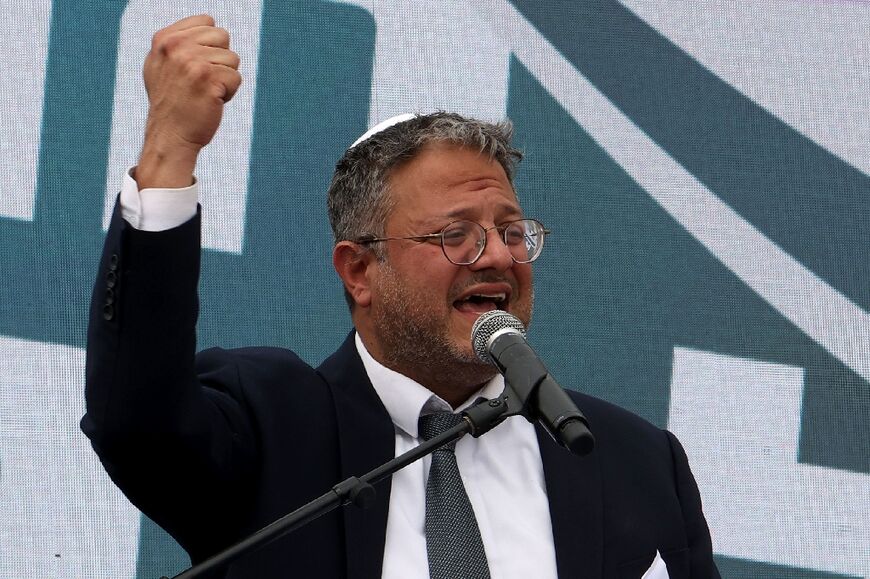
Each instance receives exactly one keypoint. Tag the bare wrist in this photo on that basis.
(166, 164)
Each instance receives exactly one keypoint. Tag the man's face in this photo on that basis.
(423, 306)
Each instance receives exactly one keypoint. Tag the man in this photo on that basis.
(429, 234)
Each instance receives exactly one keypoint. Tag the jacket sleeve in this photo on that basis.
(180, 451)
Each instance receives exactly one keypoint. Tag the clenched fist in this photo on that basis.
(190, 74)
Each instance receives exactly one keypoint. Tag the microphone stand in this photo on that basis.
(478, 420)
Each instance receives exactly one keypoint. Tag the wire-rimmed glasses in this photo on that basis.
(463, 242)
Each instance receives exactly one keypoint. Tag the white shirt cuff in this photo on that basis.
(157, 209)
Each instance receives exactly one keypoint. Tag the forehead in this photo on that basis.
(450, 180)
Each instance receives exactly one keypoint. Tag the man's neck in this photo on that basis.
(453, 382)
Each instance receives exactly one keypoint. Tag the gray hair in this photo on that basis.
(358, 199)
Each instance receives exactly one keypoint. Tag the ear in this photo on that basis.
(352, 262)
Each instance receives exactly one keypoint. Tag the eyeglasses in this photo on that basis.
(463, 242)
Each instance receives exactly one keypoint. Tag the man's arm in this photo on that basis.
(173, 446)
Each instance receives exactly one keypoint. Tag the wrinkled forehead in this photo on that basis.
(447, 179)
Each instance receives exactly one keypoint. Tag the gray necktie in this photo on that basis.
(453, 541)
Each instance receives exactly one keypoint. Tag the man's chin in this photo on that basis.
(464, 351)
(470, 371)
(462, 324)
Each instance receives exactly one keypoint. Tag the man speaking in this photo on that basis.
(429, 235)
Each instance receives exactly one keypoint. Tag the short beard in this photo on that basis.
(415, 341)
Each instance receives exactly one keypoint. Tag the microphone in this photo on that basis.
(499, 338)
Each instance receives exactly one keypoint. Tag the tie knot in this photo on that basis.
(431, 425)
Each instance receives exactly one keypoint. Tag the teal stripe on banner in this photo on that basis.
(737, 568)
(55, 262)
(801, 196)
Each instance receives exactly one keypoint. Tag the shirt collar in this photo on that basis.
(406, 400)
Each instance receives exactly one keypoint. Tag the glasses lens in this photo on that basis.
(525, 239)
(463, 242)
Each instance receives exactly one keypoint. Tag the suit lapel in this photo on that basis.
(574, 492)
(366, 440)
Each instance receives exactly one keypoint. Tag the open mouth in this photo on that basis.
(481, 303)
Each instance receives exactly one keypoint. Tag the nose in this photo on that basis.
(496, 254)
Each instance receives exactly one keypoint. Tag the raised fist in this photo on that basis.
(190, 73)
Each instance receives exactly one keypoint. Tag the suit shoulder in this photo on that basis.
(598, 407)
(618, 425)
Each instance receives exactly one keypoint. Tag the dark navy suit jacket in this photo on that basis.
(216, 445)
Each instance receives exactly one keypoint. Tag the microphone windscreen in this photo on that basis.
(487, 325)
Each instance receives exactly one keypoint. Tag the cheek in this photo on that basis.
(436, 280)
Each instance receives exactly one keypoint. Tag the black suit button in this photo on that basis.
(111, 279)
(108, 312)
(113, 262)
(110, 297)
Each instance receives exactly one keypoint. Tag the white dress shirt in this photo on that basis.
(502, 470)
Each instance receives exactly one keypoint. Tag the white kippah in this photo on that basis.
(383, 125)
